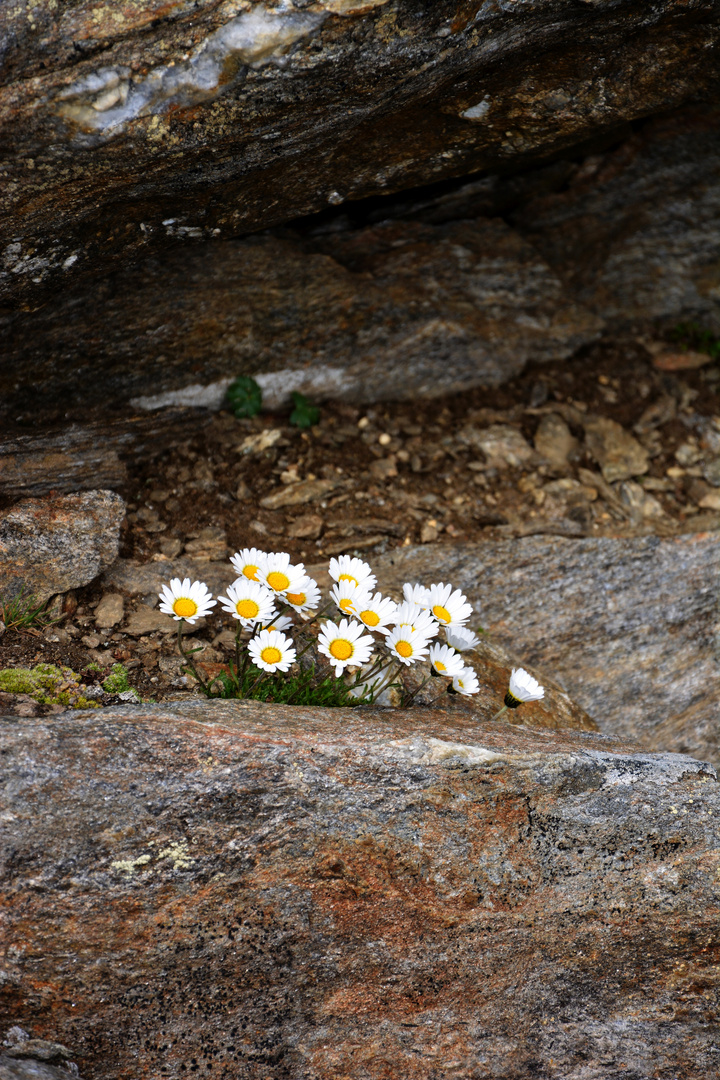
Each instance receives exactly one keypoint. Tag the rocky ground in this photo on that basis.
(622, 441)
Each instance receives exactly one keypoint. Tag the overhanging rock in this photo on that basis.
(253, 891)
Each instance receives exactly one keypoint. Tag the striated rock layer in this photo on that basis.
(251, 891)
(127, 129)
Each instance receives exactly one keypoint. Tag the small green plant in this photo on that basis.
(304, 415)
(305, 688)
(117, 680)
(22, 611)
(692, 336)
(244, 397)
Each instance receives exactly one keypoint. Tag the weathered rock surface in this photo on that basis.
(51, 545)
(126, 129)
(274, 893)
(628, 626)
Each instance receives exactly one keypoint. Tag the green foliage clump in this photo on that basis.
(695, 337)
(304, 688)
(304, 415)
(23, 611)
(117, 680)
(48, 684)
(244, 397)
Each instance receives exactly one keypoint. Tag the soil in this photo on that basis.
(395, 474)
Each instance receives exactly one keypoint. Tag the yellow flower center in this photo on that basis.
(250, 571)
(370, 618)
(346, 605)
(271, 655)
(247, 609)
(404, 648)
(442, 613)
(439, 666)
(341, 648)
(348, 577)
(185, 607)
(298, 598)
(277, 580)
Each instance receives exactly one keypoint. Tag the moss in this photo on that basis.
(117, 680)
(48, 684)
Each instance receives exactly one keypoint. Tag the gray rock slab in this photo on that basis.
(51, 545)
(628, 626)
(288, 892)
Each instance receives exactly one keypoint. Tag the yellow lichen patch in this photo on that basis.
(178, 854)
(128, 866)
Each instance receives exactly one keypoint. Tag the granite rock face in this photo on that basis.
(130, 129)
(628, 626)
(277, 893)
(51, 545)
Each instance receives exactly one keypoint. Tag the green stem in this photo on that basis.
(499, 712)
(388, 681)
(189, 661)
(409, 700)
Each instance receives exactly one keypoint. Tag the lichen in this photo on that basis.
(48, 684)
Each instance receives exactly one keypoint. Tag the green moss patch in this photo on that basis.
(48, 684)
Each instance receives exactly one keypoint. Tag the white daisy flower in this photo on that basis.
(466, 682)
(283, 623)
(376, 612)
(304, 597)
(449, 608)
(346, 594)
(461, 638)
(416, 594)
(272, 651)
(249, 602)
(522, 688)
(446, 661)
(416, 618)
(279, 574)
(406, 644)
(248, 562)
(345, 645)
(358, 572)
(186, 600)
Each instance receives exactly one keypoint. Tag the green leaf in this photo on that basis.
(244, 396)
(304, 415)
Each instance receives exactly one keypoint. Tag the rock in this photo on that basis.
(711, 501)
(618, 454)
(51, 545)
(657, 414)
(144, 579)
(109, 611)
(304, 491)
(639, 502)
(261, 440)
(711, 471)
(681, 361)
(210, 544)
(306, 527)
(24, 705)
(504, 445)
(625, 626)
(384, 468)
(147, 620)
(185, 106)
(554, 440)
(371, 894)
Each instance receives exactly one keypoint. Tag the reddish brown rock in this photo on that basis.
(246, 891)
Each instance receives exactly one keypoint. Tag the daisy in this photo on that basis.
(345, 645)
(248, 562)
(184, 600)
(280, 624)
(355, 570)
(272, 651)
(411, 615)
(466, 682)
(406, 644)
(449, 608)
(376, 612)
(279, 574)
(416, 594)
(461, 638)
(305, 596)
(445, 661)
(522, 688)
(249, 602)
(346, 595)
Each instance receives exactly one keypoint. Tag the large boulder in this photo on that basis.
(253, 891)
(130, 129)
